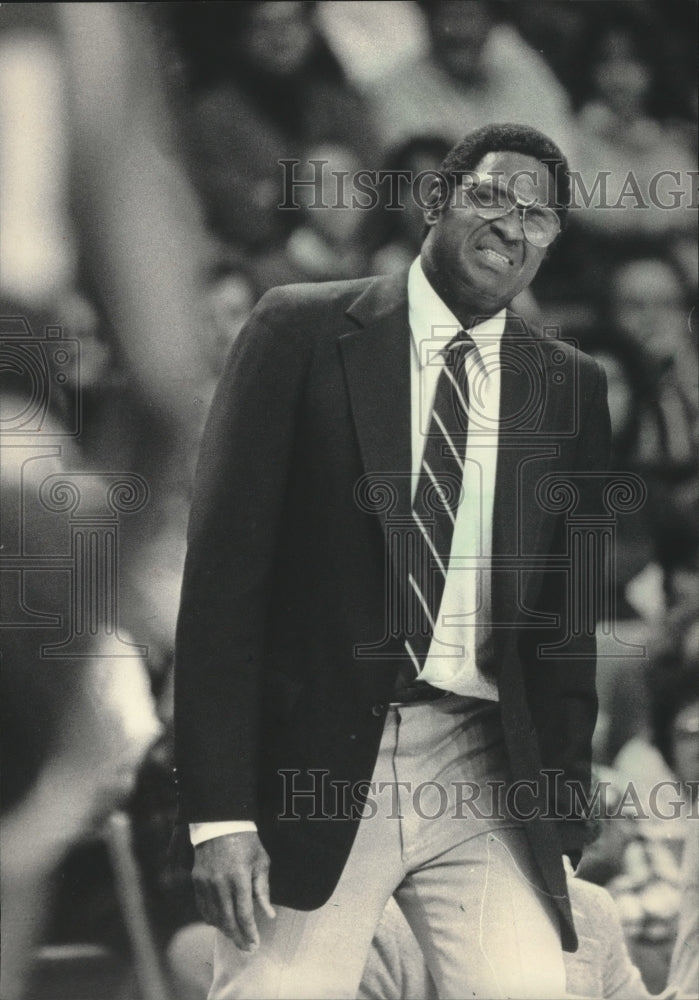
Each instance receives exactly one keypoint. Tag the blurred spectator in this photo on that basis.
(626, 370)
(611, 828)
(674, 691)
(264, 86)
(684, 965)
(326, 242)
(555, 29)
(620, 133)
(649, 306)
(664, 774)
(479, 70)
(371, 37)
(645, 342)
(565, 33)
(636, 418)
(648, 309)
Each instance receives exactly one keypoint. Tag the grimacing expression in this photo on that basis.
(481, 264)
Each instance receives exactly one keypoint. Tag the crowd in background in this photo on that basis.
(140, 185)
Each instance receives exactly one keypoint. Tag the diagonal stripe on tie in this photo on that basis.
(435, 506)
(452, 447)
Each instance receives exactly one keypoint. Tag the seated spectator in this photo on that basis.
(647, 312)
(373, 37)
(648, 306)
(633, 410)
(611, 827)
(619, 133)
(479, 70)
(556, 30)
(684, 965)
(325, 244)
(664, 774)
(673, 751)
(265, 85)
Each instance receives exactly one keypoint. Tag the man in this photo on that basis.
(477, 68)
(379, 623)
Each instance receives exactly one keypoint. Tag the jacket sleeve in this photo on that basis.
(240, 483)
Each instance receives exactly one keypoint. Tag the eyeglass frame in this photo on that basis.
(488, 214)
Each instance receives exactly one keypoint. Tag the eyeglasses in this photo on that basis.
(540, 224)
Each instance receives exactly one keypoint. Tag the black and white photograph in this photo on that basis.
(349, 500)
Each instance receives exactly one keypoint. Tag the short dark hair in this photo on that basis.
(510, 138)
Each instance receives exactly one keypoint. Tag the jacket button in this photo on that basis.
(378, 709)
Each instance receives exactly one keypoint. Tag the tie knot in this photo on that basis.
(458, 347)
(462, 339)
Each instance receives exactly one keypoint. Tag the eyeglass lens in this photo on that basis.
(540, 223)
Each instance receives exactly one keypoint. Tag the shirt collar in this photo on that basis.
(431, 319)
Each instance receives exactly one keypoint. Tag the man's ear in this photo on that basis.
(433, 204)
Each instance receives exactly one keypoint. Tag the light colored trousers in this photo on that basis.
(467, 885)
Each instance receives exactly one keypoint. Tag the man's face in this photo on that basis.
(479, 265)
(278, 37)
(459, 33)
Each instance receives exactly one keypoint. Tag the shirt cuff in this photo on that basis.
(199, 832)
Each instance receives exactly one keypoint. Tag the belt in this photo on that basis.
(420, 692)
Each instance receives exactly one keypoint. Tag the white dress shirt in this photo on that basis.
(462, 636)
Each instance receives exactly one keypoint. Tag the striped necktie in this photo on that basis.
(435, 506)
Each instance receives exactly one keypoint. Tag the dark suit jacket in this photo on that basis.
(287, 575)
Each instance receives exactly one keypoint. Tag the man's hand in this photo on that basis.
(229, 873)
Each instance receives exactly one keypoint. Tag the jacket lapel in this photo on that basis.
(376, 360)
